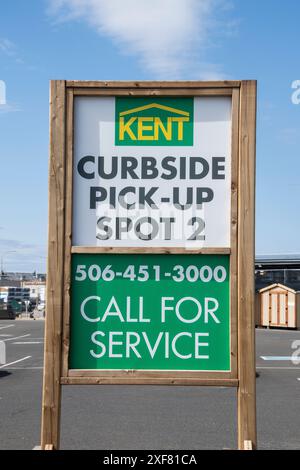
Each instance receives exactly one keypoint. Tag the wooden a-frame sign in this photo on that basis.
(58, 355)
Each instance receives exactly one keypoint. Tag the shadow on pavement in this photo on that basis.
(4, 373)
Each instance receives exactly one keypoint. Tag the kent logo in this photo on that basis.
(154, 121)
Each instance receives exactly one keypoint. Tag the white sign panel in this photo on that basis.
(152, 172)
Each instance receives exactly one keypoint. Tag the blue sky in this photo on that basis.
(135, 39)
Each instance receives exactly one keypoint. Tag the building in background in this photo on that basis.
(17, 277)
(37, 291)
(279, 269)
(9, 283)
(277, 282)
(21, 292)
(9, 295)
(279, 307)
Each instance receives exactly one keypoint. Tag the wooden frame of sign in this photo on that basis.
(56, 370)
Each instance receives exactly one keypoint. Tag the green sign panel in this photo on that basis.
(154, 121)
(150, 312)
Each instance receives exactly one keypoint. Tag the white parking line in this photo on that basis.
(277, 358)
(19, 360)
(7, 326)
(277, 368)
(26, 368)
(17, 337)
(4, 336)
(28, 342)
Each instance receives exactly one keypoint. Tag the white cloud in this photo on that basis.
(7, 47)
(9, 108)
(21, 256)
(170, 37)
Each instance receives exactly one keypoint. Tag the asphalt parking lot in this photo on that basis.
(124, 417)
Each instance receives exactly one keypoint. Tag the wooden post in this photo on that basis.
(246, 240)
(60, 249)
(55, 282)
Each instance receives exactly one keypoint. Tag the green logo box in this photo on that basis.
(158, 121)
(150, 312)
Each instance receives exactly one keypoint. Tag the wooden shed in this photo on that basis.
(279, 307)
